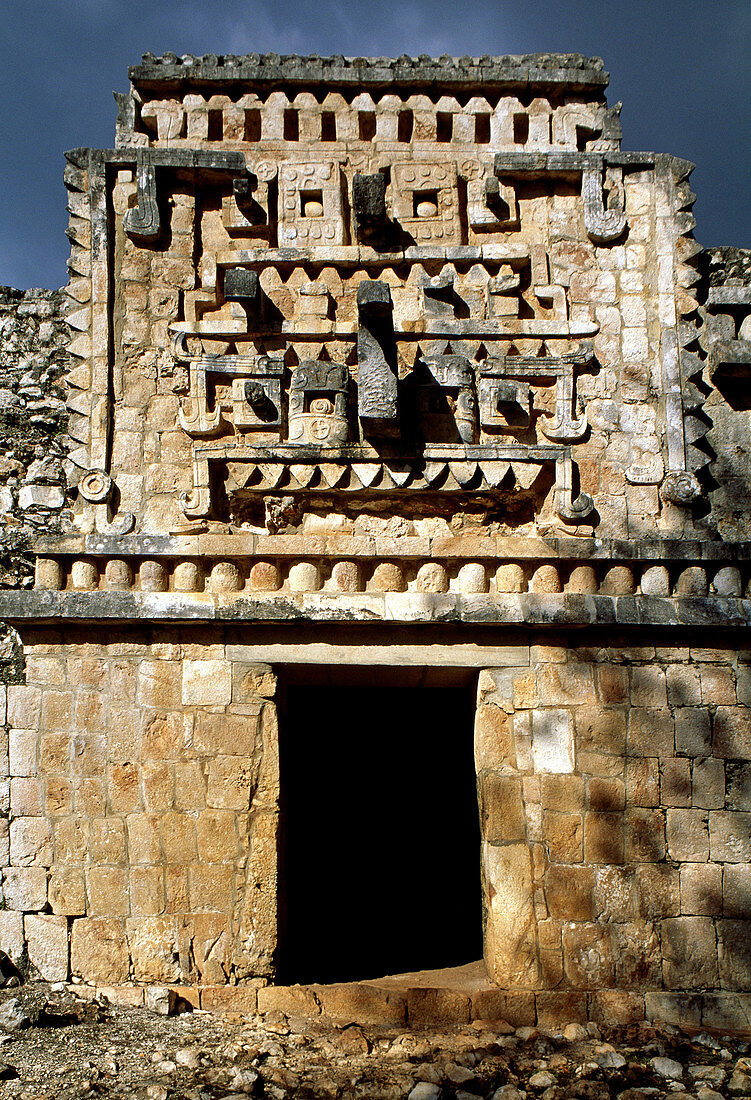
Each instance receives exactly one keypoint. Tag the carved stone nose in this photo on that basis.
(255, 395)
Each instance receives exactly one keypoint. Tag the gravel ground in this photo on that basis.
(55, 1045)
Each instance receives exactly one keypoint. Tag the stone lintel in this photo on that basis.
(574, 72)
(518, 609)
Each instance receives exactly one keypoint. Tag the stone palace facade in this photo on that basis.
(403, 454)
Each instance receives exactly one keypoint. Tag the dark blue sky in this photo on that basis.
(681, 67)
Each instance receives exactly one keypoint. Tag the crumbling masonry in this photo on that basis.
(399, 370)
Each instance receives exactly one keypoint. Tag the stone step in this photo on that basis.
(448, 997)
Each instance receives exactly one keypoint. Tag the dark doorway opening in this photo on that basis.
(380, 859)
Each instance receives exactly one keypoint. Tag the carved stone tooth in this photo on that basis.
(273, 473)
(463, 472)
(399, 473)
(495, 472)
(433, 471)
(367, 472)
(303, 474)
(525, 473)
(332, 473)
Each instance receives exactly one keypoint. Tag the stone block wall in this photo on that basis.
(142, 797)
(615, 797)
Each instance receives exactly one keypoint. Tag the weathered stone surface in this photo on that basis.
(511, 949)
(47, 945)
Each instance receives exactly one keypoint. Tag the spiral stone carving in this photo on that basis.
(95, 486)
(680, 487)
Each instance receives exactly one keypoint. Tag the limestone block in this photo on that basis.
(727, 1012)
(187, 577)
(118, 574)
(510, 578)
(153, 946)
(346, 576)
(210, 888)
(12, 940)
(67, 892)
(675, 782)
(225, 577)
(231, 783)
(387, 577)
(730, 836)
(732, 732)
(648, 688)
(734, 953)
(636, 950)
(563, 835)
(207, 683)
(292, 1000)
(655, 581)
(48, 573)
(304, 576)
(237, 998)
(692, 582)
(678, 1009)
(601, 729)
(582, 579)
(618, 581)
(501, 808)
(644, 835)
(701, 889)
(603, 838)
(99, 950)
(692, 731)
(265, 577)
(588, 956)
(432, 577)
(606, 795)
(25, 797)
(545, 579)
(689, 953)
(47, 945)
(552, 741)
(30, 842)
(717, 685)
(493, 743)
(143, 838)
(651, 731)
(107, 891)
(367, 1004)
(22, 752)
(657, 891)
(437, 1007)
(562, 792)
(553, 1006)
(153, 576)
(24, 706)
(738, 784)
(736, 885)
(616, 1007)
(84, 575)
(569, 892)
(473, 578)
(708, 784)
(727, 581)
(511, 947)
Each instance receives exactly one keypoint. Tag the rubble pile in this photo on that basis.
(56, 1043)
(33, 417)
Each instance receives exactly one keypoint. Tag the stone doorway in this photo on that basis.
(380, 837)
